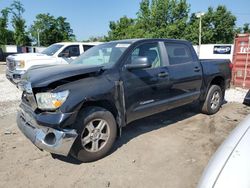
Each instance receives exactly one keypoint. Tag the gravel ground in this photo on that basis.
(158, 151)
(8, 92)
(9, 96)
(235, 94)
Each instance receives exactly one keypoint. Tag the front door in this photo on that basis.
(72, 52)
(145, 89)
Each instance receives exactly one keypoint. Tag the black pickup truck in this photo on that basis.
(80, 108)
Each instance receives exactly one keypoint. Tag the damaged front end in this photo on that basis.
(45, 138)
(45, 125)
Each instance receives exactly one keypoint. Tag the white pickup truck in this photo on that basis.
(58, 53)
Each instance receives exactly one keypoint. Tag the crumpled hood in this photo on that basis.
(42, 76)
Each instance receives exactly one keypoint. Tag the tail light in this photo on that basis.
(231, 66)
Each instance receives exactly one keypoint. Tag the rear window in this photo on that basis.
(86, 47)
(178, 53)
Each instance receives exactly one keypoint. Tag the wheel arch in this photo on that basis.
(108, 106)
(219, 81)
(216, 80)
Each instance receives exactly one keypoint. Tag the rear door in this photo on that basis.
(185, 73)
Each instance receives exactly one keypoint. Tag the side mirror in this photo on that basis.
(138, 63)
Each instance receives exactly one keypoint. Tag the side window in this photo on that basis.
(86, 47)
(178, 53)
(73, 50)
(149, 50)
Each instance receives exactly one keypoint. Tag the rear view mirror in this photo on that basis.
(138, 63)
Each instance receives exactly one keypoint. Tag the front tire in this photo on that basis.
(213, 100)
(97, 131)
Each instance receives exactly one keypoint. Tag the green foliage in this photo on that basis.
(218, 26)
(121, 29)
(20, 36)
(95, 39)
(51, 29)
(170, 19)
(191, 32)
(246, 28)
(4, 26)
(10, 38)
(155, 19)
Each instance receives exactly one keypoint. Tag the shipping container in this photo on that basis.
(241, 61)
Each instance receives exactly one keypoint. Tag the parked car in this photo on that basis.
(80, 108)
(229, 166)
(1, 55)
(59, 53)
(247, 99)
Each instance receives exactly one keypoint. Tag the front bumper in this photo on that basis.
(14, 76)
(46, 138)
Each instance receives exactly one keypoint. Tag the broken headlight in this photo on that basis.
(51, 101)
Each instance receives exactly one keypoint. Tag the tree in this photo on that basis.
(95, 39)
(155, 18)
(51, 29)
(192, 30)
(246, 28)
(4, 26)
(122, 29)
(218, 26)
(177, 19)
(170, 19)
(18, 23)
(65, 29)
(143, 25)
(159, 18)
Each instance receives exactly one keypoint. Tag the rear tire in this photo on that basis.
(213, 100)
(97, 131)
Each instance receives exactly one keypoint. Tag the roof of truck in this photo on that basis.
(149, 39)
(81, 43)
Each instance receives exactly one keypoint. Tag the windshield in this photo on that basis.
(105, 55)
(51, 50)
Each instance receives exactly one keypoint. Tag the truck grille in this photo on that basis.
(29, 99)
(10, 64)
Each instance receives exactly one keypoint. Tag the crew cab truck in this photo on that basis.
(58, 53)
(80, 108)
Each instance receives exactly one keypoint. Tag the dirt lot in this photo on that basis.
(167, 150)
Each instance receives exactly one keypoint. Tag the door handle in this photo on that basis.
(197, 69)
(163, 74)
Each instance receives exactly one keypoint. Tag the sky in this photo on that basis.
(91, 17)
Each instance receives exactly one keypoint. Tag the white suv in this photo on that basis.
(58, 53)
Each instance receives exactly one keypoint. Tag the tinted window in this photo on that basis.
(178, 53)
(149, 50)
(72, 50)
(86, 47)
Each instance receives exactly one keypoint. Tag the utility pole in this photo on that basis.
(199, 15)
(38, 37)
